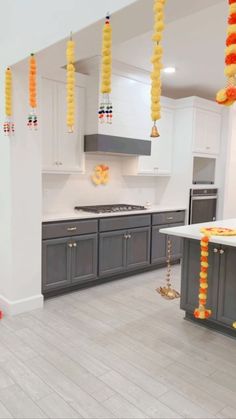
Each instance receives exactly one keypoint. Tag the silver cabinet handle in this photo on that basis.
(216, 250)
(129, 236)
(71, 228)
(70, 245)
(125, 236)
(74, 244)
(222, 251)
(170, 218)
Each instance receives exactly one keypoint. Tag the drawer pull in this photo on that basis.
(70, 245)
(170, 218)
(71, 228)
(216, 250)
(74, 244)
(222, 251)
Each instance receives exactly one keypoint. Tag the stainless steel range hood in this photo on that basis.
(100, 143)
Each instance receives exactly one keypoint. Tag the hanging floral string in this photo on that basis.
(8, 126)
(227, 96)
(157, 65)
(201, 312)
(106, 109)
(70, 86)
(32, 118)
(167, 291)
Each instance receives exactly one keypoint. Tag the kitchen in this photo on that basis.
(103, 264)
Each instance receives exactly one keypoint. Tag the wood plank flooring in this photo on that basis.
(115, 351)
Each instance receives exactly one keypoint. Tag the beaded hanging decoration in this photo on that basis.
(156, 60)
(8, 126)
(168, 292)
(70, 85)
(227, 96)
(105, 112)
(32, 117)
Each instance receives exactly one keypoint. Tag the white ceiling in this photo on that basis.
(194, 44)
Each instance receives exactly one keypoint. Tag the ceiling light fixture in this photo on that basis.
(169, 70)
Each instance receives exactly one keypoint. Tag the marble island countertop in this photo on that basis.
(193, 231)
(81, 215)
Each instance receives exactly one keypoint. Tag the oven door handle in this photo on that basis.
(201, 198)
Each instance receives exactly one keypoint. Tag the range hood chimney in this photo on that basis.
(104, 138)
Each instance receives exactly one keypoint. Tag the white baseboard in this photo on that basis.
(11, 308)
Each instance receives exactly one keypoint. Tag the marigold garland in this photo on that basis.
(70, 86)
(157, 64)
(105, 112)
(32, 118)
(8, 126)
(201, 312)
(227, 96)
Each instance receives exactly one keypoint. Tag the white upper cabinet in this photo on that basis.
(62, 152)
(206, 132)
(160, 161)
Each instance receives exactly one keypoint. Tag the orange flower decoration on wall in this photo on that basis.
(101, 175)
(227, 96)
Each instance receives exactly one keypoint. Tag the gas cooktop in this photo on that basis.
(99, 209)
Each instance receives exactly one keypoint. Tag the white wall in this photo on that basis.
(229, 204)
(25, 28)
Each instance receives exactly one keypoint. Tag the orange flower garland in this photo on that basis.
(32, 118)
(8, 126)
(70, 85)
(201, 312)
(227, 96)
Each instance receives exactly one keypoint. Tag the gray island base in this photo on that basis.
(221, 276)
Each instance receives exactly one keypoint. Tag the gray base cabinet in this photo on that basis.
(122, 250)
(69, 261)
(80, 251)
(221, 278)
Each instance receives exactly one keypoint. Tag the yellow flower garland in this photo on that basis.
(32, 118)
(157, 64)
(105, 109)
(8, 125)
(70, 86)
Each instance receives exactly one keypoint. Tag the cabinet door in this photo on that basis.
(49, 138)
(159, 244)
(207, 134)
(56, 264)
(84, 258)
(176, 244)
(112, 252)
(160, 161)
(227, 287)
(190, 277)
(138, 247)
(70, 144)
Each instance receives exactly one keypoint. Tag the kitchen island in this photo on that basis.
(221, 276)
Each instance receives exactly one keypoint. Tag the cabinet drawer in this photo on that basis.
(120, 223)
(69, 228)
(168, 217)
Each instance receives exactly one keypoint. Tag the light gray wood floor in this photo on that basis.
(115, 351)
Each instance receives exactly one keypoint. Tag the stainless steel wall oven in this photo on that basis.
(202, 205)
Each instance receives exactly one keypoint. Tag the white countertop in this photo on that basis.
(81, 215)
(193, 231)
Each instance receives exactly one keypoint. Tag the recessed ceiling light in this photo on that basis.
(169, 70)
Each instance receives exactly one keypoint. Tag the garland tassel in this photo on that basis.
(105, 112)
(32, 118)
(157, 65)
(8, 126)
(70, 86)
(227, 95)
